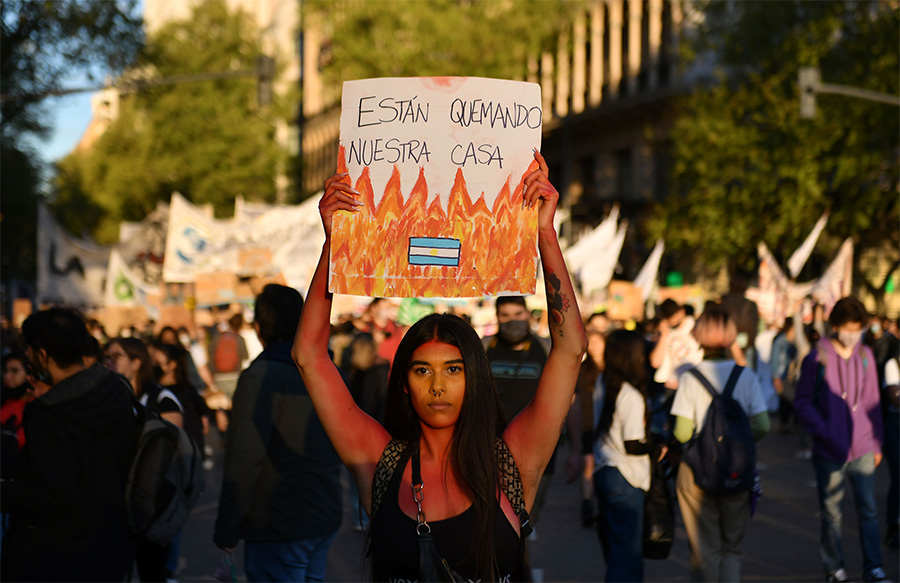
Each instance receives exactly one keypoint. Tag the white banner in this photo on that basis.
(837, 281)
(801, 255)
(596, 274)
(125, 288)
(286, 239)
(646, 277)
(591, 245)
(69, 270)
(143, 244)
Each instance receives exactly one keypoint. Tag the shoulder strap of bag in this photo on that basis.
(732, 381)
(385, 470)
(511, 484)
(729, 385)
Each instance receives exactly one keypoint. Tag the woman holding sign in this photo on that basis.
(464, 480)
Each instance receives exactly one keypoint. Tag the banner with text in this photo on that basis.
(69, 270)
(439, 163)
(285, 239)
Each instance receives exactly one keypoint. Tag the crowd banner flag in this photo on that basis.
(801, 255)
(589, 246)
(142, 245)
(837, 281)
(596, 274)
(125, 288)
(646, 277)
(439, 163)
(285, 239)
(69, 270)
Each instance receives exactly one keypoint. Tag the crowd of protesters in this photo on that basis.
(832, 381)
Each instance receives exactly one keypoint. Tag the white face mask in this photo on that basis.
(875, 328)
(849, 339)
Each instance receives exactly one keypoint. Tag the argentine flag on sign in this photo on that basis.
(434, 251)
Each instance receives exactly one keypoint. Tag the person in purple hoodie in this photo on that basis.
(837, 400)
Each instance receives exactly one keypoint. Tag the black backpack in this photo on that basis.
(723, 455)
(165, 479)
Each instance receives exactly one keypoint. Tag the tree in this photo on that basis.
(441, 37)
(207, 140)
(42, 45)
(746, 168)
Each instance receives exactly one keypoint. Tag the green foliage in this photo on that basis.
(439, 37)
(42, 45)
(207, 140)
(746, 168)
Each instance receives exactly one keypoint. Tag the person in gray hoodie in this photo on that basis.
(838, 402)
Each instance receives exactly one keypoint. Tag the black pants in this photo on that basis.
(151, 561)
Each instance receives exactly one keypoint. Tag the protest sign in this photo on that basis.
(626, 301)
(439, 163)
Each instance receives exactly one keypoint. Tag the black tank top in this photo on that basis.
(395, 546)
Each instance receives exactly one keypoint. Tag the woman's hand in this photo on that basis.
(338, 196)
(538, 188)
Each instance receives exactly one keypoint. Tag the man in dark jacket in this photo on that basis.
(69, 520)
(281, 490)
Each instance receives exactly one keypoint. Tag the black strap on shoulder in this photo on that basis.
(510, 479)
(511, 484)
(384, 471)
(729, 386)
(732, 381)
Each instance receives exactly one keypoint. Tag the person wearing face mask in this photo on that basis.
(838, 402)
(517, 357)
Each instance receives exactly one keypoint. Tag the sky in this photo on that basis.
(71, 116)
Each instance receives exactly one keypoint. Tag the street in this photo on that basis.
(781, 542)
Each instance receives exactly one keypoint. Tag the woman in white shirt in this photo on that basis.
(622, 456)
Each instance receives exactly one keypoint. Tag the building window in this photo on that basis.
(624, 168)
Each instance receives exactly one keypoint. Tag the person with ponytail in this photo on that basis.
(441, 404)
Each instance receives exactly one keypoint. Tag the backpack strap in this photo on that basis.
(732, 381)
(384, 471)
(729, 385)
(511, 484)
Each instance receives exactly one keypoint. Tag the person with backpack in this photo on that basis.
(69, 517)
(129, 357)
(839, 402)
(719, 413)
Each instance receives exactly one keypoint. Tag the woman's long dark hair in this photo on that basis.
(472, 460)
(624, 360)
(135, 349)
(178, 355)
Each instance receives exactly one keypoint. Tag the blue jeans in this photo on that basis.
(620, 525)
(891, 450)
(301, 560)
(832, 481)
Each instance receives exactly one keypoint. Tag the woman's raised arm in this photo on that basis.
(532, 436)
(358, 439)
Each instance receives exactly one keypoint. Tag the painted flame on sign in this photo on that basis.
(497, 246)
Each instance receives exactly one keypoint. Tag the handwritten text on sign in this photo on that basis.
(439, 163)
(487, 127)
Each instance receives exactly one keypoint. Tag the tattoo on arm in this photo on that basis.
(557, 302)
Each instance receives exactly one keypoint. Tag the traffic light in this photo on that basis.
(809, 80)
(265, 72)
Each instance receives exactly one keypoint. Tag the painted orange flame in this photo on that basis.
(369, 255)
